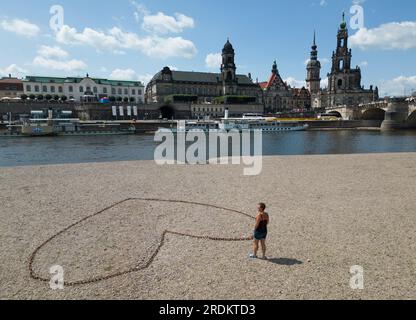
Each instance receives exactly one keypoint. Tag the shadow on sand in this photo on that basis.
(285, 261)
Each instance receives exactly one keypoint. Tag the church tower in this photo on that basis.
(313, 80)
(341, 59)
(342, 77)
(228, 69)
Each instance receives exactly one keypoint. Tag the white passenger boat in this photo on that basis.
(264, 125)
(37, 128)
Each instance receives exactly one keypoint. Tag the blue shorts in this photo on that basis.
(260, 235)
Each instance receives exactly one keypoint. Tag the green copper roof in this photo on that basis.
(58, 80)
(343, 23)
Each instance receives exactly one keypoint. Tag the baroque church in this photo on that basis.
(344, 81)
(205, 88)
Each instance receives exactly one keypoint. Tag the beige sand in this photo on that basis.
(328, 214)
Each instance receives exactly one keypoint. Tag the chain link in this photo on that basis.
(32, 258)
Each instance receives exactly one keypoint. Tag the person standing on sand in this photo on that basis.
(260, 231)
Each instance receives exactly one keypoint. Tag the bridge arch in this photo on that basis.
(374, 114)
(412, 119)
(335, 114)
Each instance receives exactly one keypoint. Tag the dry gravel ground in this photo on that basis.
(328, 213)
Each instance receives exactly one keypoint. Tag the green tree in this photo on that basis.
(132, 99)
(23, 97)
(40, 97)
(48, 97)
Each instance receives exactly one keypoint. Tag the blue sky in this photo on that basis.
(135, 39)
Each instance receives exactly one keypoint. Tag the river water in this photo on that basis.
(17, 151)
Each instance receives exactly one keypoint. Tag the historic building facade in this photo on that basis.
(204, 88)
(10, 88)
(344, 81)
(278, 96)
(84, 89)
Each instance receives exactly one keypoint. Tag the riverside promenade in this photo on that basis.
(328, 213)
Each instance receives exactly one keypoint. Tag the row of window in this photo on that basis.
(201, 91)
(196, 109)
(81, 89)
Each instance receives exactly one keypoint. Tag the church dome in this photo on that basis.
(343, 24)
(166, 70)
(228, 48)
(313, 63)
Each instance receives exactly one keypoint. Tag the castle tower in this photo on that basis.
(313, 79)
(228, 68)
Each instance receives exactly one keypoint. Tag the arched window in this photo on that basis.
(52, 89)
(104, 90)
(339, 83)
(45, 89)
(71, 89)
(81, 89)
(60, 89)
(95, 89)
(36, 88)
(341, 65)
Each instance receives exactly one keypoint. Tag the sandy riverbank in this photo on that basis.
(328, 214)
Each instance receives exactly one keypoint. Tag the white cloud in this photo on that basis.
(213, 60)
(162, 24)
(116, 39)
(141, 10)
(323, 3)
(69, 65)
(123, 74)
(295, 83)
(20, 27)
(145, 78)
(52, 52)
(13, 70)
(398, 86)
(55, 58)
(394, 35)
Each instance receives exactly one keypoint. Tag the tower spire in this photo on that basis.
(343, 22)
(313, 68)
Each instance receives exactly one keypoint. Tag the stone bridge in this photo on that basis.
(400, 110)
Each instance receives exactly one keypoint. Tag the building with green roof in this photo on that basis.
(85, 89)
